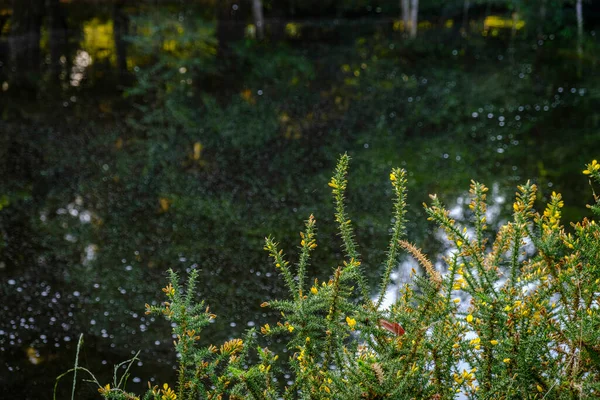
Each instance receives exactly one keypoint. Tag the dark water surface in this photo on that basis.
(138, 139)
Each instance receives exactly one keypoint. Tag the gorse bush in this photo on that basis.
(530, 328)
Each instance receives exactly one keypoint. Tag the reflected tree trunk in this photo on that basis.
(515, 19)
(120, 30)
(543, 12)
(259, 20)
(279, 14)
(410, 12)
(414, 13)
(513, 33)
(57, 33)
(579, 11)
(4, 46)
(231, 18)
(3, 20)
(25, 34)
(405, 7)
(465, 22)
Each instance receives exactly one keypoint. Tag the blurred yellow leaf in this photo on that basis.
(164, 204)
(247, 95)
(34, 356)
(284, 118)
(197, 151)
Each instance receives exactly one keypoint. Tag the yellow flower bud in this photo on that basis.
(351, 322)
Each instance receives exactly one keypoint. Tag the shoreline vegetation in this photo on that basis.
(141, 136)
(496, 321)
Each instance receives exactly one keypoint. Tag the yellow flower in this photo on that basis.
(392, 177)
(290, 328)
(469, 318)
(494, 342)
(314, 290)
(539, 388)
(592, 167)
(169, 290)
(168, 393)
(265, 329)
(232, 346)
(104, 390)
(506, 360)
(351, 322)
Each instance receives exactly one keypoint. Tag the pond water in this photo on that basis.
(146, 138)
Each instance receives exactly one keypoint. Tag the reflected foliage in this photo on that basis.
(193, 154)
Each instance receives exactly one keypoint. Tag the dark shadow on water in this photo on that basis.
(140, 138)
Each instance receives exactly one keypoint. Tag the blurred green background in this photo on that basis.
(137, 136)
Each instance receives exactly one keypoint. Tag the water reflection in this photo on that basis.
(207, 146)
(80, 63)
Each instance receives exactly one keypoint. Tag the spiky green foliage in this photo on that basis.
(529, 328)
(532, 323)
